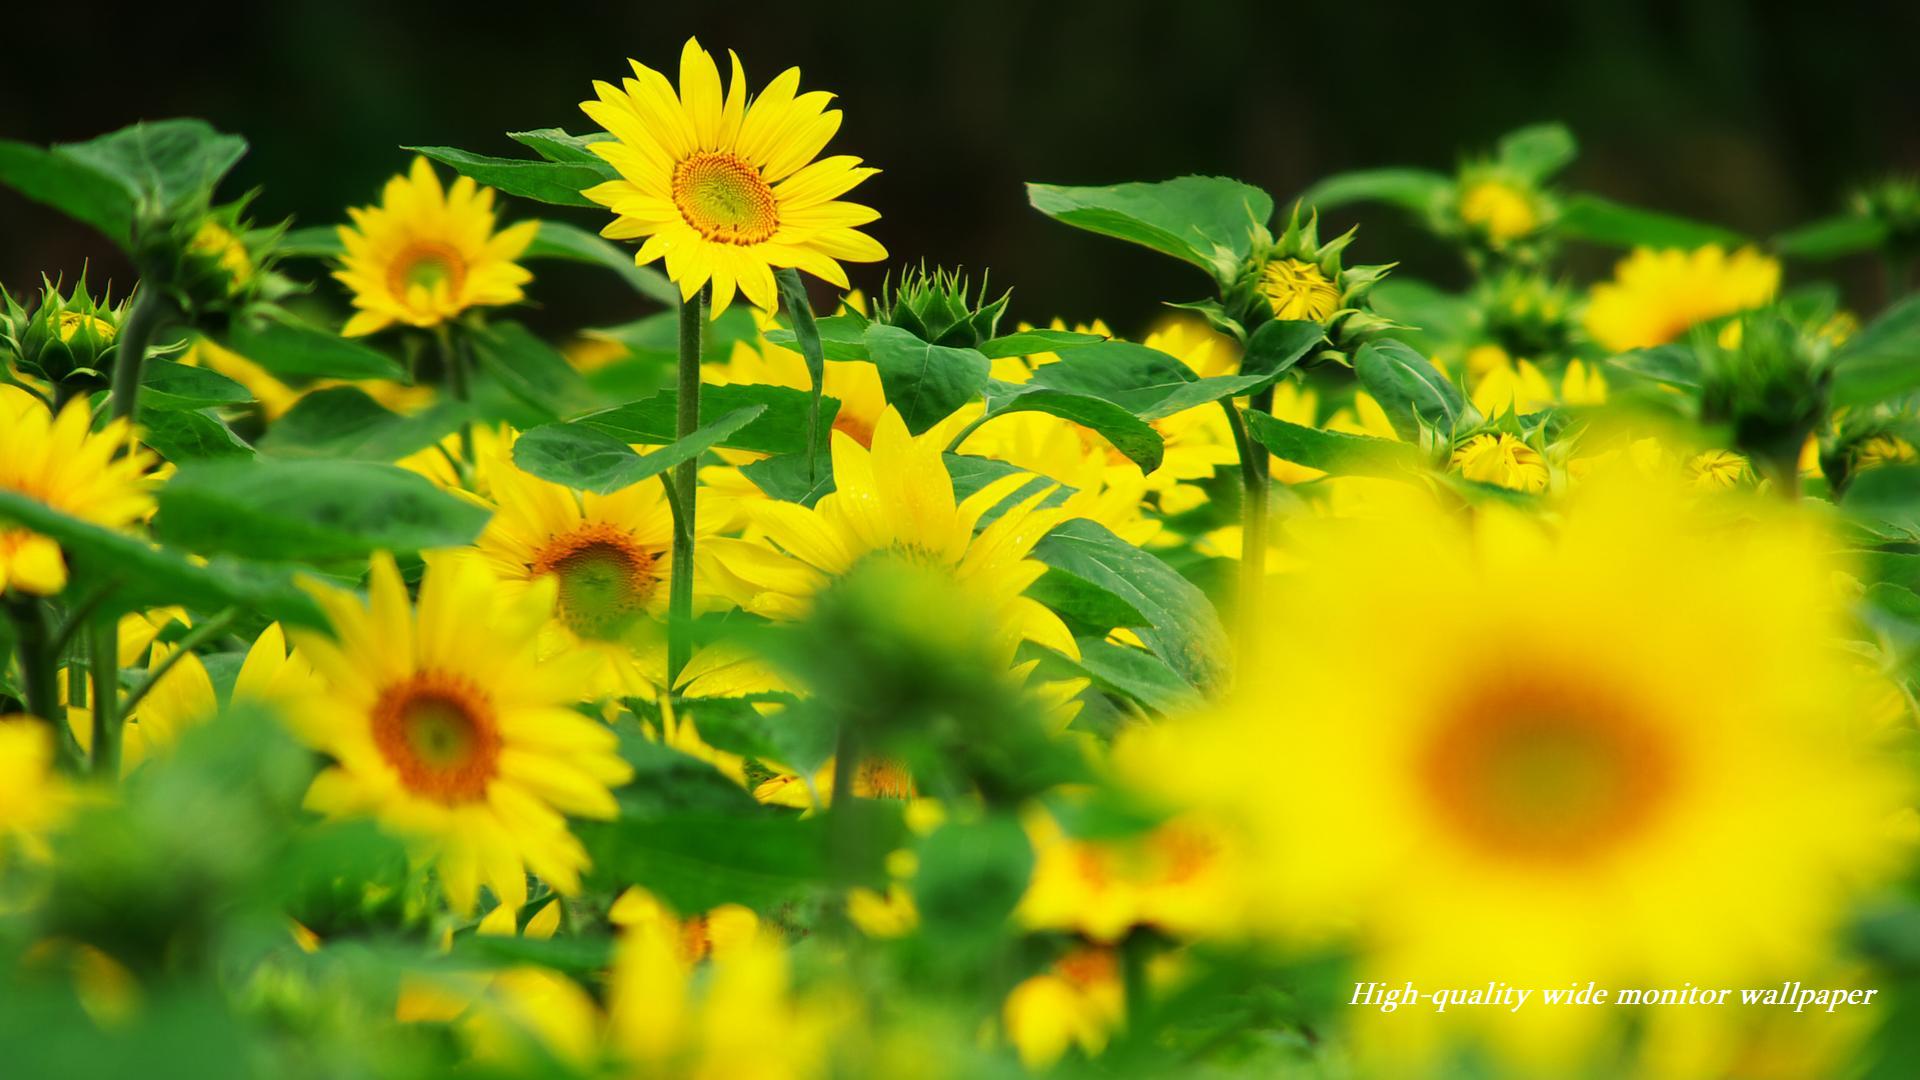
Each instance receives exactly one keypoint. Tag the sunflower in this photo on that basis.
(426, 254)
(1656, 295)
(62, 462)
(1503, 460)
(462, 742)
(726, 190)
(34, 798)
(1078, 1001)
(1297, 289)
(1628, 747)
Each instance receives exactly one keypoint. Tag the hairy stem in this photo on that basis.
(685, 480)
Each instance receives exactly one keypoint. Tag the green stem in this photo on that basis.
(842, 823)
(39, 667)
(103, 649)
(149, 310)
(188, 642)
(1253, 527)
(456, 361)
(1893, 267)
(685, 479)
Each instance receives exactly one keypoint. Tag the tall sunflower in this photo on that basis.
(725, 190)
(62, 462)
(462, 742)
(1656, 295)
(428, 253)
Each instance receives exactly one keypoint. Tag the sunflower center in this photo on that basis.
(1299, 290)
(438, 732)
(71, 323)
(725, 199)
(427, 264)
(606, 579)
(1546, 773)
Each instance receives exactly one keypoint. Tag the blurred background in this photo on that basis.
(1754, 116)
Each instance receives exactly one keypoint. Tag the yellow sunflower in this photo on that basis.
(725, 190)
(34, 798)
(1656, 295)
(428, 253)
(462, 741)
(62, 462)
(1079, 1001)
(1503, 460)
(1628, 747)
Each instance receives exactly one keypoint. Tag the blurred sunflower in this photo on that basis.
(726, 190)
(63, 463)
(34, 797)
(462, 742)
(428, 253)
(1656, 295)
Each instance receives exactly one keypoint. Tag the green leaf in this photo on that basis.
(343, 422)
(555, 182)
(1333, 451)
(1409, 388)
(1146, 382)
(1182, 629)
(781, 429)
(1538, 151)
(285, 346)
(74, 188)
(970, 473)
(972, 874)
(165, 384)
(1887, 498)
(1028, 342)
(698, 862)
(1830, 238)
(554, 144)
(1127, 433)
(1882, 361)
(1602, 221)
(312, 242)
(587, 459)
(310, 510)
(1205, 220)
(1136, 673)
(1083, 602)
(1673, 365)
(1279, 344)
(1418, 190)
(926, 383)
(531, 370)
(806, 334)
(144, 575)
(784, 477)
(168, 166)
(559, 240)
(1429, 317)
(183, 435)
(842, 337)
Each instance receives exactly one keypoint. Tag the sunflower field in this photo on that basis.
(1326, 674)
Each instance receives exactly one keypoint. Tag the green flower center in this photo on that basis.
(437, 731)
(606, 580)
(426, 264)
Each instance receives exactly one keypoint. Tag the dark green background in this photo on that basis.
(1755, 116)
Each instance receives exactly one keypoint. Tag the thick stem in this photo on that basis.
(149, 310)
(456, 361)
(103, 658)
(40, 670)
(685, 479)
(1253, 529)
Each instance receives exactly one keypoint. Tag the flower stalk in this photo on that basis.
(684, 488)
(103, 660)
(144, 317)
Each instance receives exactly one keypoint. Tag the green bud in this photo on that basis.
(935, 307)
(65, 340)
(1526, 313)
(1295, 276)
(1895, 204)
(212, 263)
(1768, 378)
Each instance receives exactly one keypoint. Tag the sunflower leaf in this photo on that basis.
(926, 383)
(1208, 221)
(556, 182)
(1418, 190)
(285, 346)
(74, 188)
(576, 456)
(343, 422)
(1124, 431)
(782, 429)
(1332, 451)
(1602, 221)
(1410, 390)
(559, 240)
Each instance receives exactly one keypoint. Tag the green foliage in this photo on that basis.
(288, 347)
(1411, 391)
(780, 429)
(927, 383)
(1128, 434)
(548, 181)
(1608, 223)
(343, 422)
(1208, 221)
(579, 456)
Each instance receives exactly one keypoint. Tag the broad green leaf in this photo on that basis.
(168, 166)
(343, 422)
(554, 144)
(842, 337)
(1673, 365)
(1831, 237)
(587, 459)
(1205, 220)
(1146, 382)
(1538, 151)
(1333, 451)
(310, 510)
(532, 370)
(1127, 433)
(312, 242)
(144, 575)
(1182, 629)
(1418, 190)
(1882, 361)
(1428, 316)
(74, 188)
(784, 477)
(972, 873)
(184, 435)
(1279, 344)
(559, 240)
(1602, 221)
(1888, 499)
(782, 429)
(926, 383)
(1084, 603)
(165, 384)
(1028, 342)
(698, 862)
(970, 473)
(555, 182)
(1136, 673)
(287, 347)
(1409, 388)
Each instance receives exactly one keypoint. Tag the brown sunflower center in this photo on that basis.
(606, 579)
(1547, 772)
(725, 199)
(426, 263)
(439, 733)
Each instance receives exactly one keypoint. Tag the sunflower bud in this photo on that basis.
(1498, 211)
(66, 340)
(1527, 314)
(211, 263)
(934, 306)
(1768, 380)
(1894, 204)
(1296, 277)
